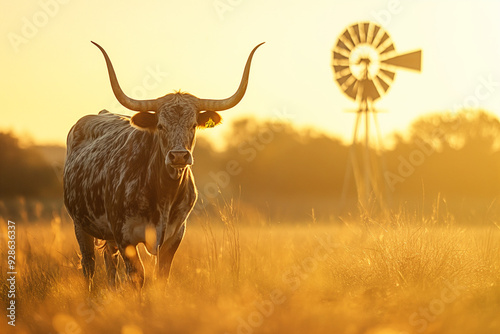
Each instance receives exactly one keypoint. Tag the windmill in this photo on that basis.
(364, 64)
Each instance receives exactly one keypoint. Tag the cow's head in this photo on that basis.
(175, 117)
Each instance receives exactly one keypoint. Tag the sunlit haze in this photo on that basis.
(297, 222)
(52, 75)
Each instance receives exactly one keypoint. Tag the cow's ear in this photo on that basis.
(144, 121)
(208, 119)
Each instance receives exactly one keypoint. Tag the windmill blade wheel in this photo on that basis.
(357, 62)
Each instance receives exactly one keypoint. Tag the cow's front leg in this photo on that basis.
(133, 263)
(167, 252)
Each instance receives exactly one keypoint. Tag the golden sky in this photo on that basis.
(51, 75)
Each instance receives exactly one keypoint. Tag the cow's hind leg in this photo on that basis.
(111, 261)
(86, 243)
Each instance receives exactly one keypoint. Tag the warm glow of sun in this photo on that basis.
(55, 75)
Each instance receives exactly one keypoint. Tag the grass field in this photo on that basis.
(399, 274)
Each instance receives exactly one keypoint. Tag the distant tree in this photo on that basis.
(24, 172)
(454, 154)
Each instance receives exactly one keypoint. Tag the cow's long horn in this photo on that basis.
(217, 105)
(127, 102)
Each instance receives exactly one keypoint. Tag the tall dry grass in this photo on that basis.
(235, 273)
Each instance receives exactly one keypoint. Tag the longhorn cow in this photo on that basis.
(128, 180)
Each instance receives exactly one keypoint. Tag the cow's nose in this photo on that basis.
(179, 158)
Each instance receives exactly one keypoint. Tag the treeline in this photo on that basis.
(286, 172)
(453, 156)
(25, 172)
(30, 181)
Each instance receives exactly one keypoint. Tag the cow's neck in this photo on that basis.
(167, 189)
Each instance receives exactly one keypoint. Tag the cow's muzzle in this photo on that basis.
(179, 158)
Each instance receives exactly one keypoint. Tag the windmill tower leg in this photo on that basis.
(359, 162)
(352, 163)
(368, 170)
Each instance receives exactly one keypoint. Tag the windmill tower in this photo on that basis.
(364, 65)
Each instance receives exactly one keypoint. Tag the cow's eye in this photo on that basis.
(194, 126)
(159, 127)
